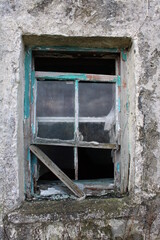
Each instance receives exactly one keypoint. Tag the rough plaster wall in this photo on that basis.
(103, 219)
(136, 19)
(147, 77)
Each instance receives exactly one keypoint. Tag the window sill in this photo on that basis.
(56, 190)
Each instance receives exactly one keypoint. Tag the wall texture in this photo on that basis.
(40, 22)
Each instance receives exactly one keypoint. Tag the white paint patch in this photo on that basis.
(50, 191)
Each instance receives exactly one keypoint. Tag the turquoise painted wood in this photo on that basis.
(28, 58)
(76, 49)
(32, 85)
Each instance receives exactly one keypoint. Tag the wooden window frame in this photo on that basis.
(34, 75)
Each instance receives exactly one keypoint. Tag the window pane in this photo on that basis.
(63, 131)
(96, 99)
(97, 132)
(63, 157)
(55, 99)
(95, 163)
(75, 64)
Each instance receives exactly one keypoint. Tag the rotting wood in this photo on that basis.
(100, 187)
(46, 141)
(75, 76)
(56, 170)
(74, 55)
(79, 49)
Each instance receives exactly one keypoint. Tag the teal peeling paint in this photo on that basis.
(75, 49)
(28, 155)
(119, 104)
(32, 85)
(66, 77)
(119, 81)
(124, 55)
(73, 77)
(115, 80)
(118, 167)
(76, 85)
(33, 129)
(28, 58)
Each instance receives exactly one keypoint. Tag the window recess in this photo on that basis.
(75, 119)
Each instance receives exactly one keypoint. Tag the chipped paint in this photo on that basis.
(28, 155)
(33, 129)
(118, 81)
(75, 49)
(118, 167)
(75, 76)
(33, 171)
(28, 57)
(76, 85)
(72, 77)
(124, 55)
(66, 77)
(124, 84)
(119, 104)
(32, 85)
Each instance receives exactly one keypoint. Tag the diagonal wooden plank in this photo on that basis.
(56, 170)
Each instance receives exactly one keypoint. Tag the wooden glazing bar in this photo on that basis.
(70, 143)
(76, 162)
(55, 119)
(75, 76)
(72, 119)
(76, 130)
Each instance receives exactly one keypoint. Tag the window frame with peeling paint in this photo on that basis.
(30, 119)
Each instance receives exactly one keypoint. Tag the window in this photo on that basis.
(74, 120)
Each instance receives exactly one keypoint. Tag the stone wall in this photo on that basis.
(38, 22)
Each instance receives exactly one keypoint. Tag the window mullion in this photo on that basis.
(76, 132)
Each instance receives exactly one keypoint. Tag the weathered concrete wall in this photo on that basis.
(36, 22)
(105, 219)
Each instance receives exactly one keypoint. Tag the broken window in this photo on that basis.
(74, 121)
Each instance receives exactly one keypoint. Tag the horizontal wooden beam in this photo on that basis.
(72, 119)
(74, 55)
(56, 170)
(75, 76)
(76, 49)
(71, 143)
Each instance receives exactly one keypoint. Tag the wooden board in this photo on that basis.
(56, 170)
(75, 76)
(71, 143)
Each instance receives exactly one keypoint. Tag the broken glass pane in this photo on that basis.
(96, 132)
(95, 164)
(55, 99)
(96, 99)
(58, 130)
(63, 157)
